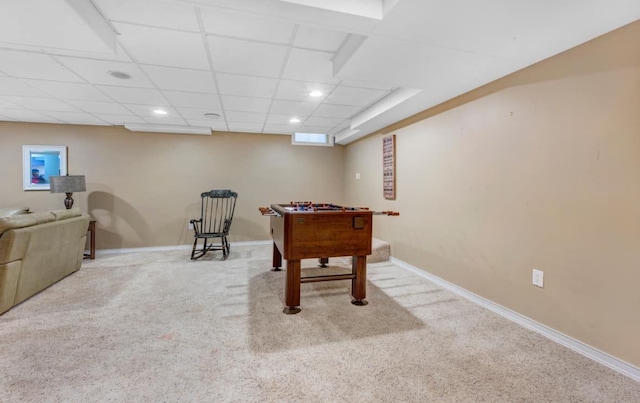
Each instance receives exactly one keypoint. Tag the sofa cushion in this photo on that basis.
(64, 214)
(9, 211)
(17, 221)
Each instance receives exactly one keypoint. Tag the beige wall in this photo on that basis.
(144, 187)
(537, 170)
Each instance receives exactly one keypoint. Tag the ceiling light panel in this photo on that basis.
(300, 90)
(177, 79)
(34, 65)
(246, 26)
(245, 57)
(282, 120)
(163, 46)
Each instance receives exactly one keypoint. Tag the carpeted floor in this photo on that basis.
(155, 326)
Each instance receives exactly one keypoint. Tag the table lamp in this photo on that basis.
(67, 184)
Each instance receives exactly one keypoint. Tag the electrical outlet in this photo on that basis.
(357, 175)
(190, 225)
(538, 278)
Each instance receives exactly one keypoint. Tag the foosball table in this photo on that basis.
(303, 230)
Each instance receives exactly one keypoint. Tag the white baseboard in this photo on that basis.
(590, 352)
(102, 252)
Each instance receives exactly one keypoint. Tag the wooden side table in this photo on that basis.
(92, 240)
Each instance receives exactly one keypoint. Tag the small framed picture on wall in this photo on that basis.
(39, 163)
(389, 166)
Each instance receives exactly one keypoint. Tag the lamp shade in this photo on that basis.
(67, 184)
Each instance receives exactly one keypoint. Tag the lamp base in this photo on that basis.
(68, 202)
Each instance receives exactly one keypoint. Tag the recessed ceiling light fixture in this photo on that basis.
(119, 74)
(211, 115)
(160, 112)
(316, 93)
(294, 120)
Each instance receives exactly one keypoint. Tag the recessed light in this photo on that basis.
(294, 120)
(160, 112)
(119, 74)
(315, 93)
(211, 115)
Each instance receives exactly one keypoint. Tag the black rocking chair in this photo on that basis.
(216, 214)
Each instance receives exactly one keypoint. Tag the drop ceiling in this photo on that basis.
(250, 65)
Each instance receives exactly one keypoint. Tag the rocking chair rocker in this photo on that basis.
(216, 214)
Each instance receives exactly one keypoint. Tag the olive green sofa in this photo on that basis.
(38, 249)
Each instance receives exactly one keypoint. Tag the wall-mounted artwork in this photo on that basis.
(389, 166)
(39, 163)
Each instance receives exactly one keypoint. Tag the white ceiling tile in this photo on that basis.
(246, 26)
(6, 103)
(119, 119)
(143, 96)
(336, 111)
(146, 111)
(279, 129)
(193, 99)
(248, 86)
(314, 129)
(163, 47)
(13, 86)
(318, 38)
(219, 125)
(309, 65)
(97, 72)
(34, 65)
(285, 120)
(244, 127)
(6, 118)
(79, 118)
(244, 57)
(69, 91)
(233, 103)
(109, 108)
(197, 113)
(300, 109)
(245, 117)
(354, 96)
(164, 13)
(163, 120)
(366, 84)
(170, 78)
(322, 122)
(24, 115)
(300, 90)
(45, 104)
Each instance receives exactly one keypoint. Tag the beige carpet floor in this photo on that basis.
(157, 327)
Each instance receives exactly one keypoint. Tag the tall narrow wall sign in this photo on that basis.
(389, 166)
